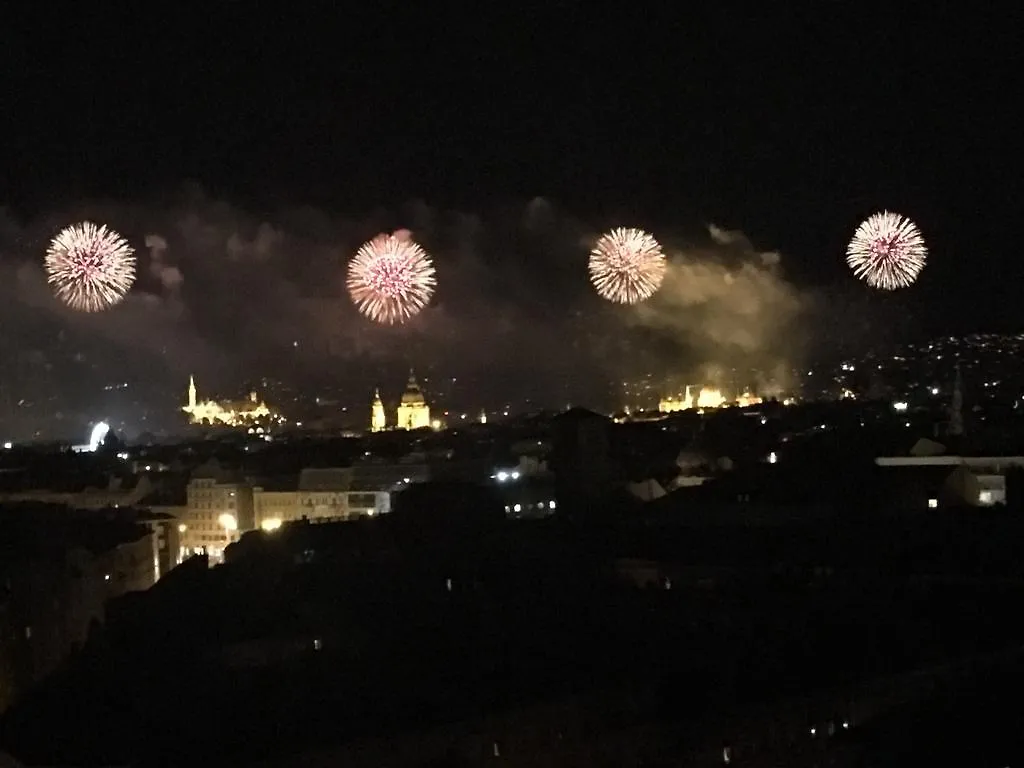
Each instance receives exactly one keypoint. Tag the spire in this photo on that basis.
(378, 421)
(192, 391)
(412, 385)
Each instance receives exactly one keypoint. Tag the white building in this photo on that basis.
(219, 508)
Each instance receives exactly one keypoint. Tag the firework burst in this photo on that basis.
(887, 251)
(90, 268)
(390, 279)
(627, 266)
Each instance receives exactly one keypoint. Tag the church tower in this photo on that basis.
(191, 392)
(377, 418)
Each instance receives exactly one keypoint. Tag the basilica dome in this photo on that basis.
(412, 394)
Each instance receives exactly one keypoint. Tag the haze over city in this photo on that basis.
(537, 384)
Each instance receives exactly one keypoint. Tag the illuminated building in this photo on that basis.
(747, 399)
(413, 411)
(378, 422)
(219, 509)
(228, 413)
(707, 397)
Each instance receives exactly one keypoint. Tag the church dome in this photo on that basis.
(412, 394)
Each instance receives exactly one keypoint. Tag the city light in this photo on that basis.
(271, 524)
(899, 406)
(228, 522)
(99, 434)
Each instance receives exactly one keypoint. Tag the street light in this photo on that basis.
(230, 525)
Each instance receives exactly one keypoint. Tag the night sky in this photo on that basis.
(262, 148)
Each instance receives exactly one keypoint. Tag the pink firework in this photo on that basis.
(391, 278)
(90, 268)
(887, 251)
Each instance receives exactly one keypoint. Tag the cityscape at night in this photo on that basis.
(566, 386)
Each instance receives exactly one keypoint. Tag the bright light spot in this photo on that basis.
(317, 644)
(517, 508)
(148, 467)
(271, 524)
(813, 731)
(899, 406)
(99, 433)
(515, 475)
(985, 497)
(551, 505)
(182, 527)
(8, 446)
(405, 479)
(935, 390)
(106, 577)
(772, 458)
(502, 477)
(933, 503)
(846, 723)
(763, 421)
(228, 522)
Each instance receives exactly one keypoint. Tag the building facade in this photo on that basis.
(219, 507)
(413, 411)
(274, 505)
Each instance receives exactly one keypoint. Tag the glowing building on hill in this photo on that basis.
(707, 397)
(228, 413)
(413, 411)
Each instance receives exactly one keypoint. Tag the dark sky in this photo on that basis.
(788, 125)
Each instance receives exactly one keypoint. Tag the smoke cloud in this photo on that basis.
(729, 305)
(234, 297)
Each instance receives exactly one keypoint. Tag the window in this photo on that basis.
(933, 503)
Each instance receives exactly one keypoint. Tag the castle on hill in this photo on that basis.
(231, 413)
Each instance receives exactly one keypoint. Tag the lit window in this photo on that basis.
(517, 508)
(933, 503)
(985, 497)
(551, 505)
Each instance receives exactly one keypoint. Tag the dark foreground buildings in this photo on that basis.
(787, 613)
